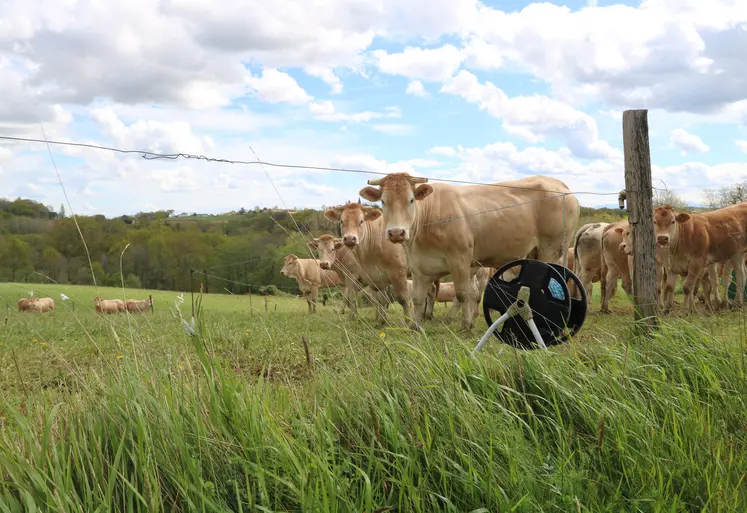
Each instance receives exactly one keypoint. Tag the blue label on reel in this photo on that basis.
(556, 290)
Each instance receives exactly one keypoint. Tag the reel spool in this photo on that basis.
(538, 294)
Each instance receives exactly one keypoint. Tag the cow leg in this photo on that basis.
(726, 281)
(420, 286)
(671, 281)
(738, 263)
(695, 270)
(430, 302)
(706, 282)
(611, 279)
(463, 291)
(455, 306)
(313, 294)
(586, 280)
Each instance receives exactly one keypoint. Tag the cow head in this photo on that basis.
(290, 266)
(326, 246)
(665, 224)
(626, 246)
(351, 217)
(398, 193)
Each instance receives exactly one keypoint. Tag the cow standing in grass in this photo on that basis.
(310, 277)
(587, 257)
(381, 263)
(450, 229)
(139, 306)
(108, 306)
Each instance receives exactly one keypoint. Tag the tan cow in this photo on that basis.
(448, 229)
(696, 241)
(24, 304)
(139, 306)
(335, 256)
(43, 304)
(108, 306)
(615, 262)
(587, 257)
(381, 263)
(310, 277)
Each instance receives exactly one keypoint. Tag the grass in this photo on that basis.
(130, 413)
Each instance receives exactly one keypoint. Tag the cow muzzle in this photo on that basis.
(324, 264)
(663, 240)
(350, 241)
(624, 248)
(396, 235)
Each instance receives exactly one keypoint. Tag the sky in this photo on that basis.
(448, 89)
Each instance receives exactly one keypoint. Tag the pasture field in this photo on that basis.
(131, 413)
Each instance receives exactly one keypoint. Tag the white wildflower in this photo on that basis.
(189, 327)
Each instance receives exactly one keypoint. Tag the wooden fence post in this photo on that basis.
(639, 195)
(265, 303)
(150, 300)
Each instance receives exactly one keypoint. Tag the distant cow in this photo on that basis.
(587, 257)
(139, 306)
(310, 277)
(108, 306)
(381, 263)
(43, 304)
(447, 229)
(24, 304)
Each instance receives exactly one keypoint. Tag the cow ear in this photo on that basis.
(372, 215)
(619, 230)
(682, 218)
(370, 193)
(332, 214)
(423, 191)
(338, 244)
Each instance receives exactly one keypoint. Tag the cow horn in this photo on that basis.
(415, 179)
(374, 182)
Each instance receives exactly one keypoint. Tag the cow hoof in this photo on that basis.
(414, 326)
(605, 311)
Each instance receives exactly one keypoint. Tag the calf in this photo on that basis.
(615, 262)
(310, 277)
(139, 306)
(108, 306)
(587, 257)
(381, 262)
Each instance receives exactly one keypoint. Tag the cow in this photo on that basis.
(310, 277)
(139, 306)
(615, 262)
(695, 243)
(24, 304)
(587, 257)
(108, 306)
(381, 263)
(449, 229)
(43, 304)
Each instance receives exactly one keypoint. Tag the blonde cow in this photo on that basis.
(381, 262)
(139, 306)
(587, 257)
(43, 304)
(447, 229)
(310, 277)
(108, 306)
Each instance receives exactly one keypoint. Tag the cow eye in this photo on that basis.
(412, 200)
(361, 221)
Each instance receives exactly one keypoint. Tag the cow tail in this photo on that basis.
(576, 261)
(438, 286)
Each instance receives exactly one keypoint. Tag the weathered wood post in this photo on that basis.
(150, 300)
(266, 303)
(251, 309)
(639, 195)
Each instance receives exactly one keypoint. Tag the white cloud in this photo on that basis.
(394, 129)
(687, 142)
(327, 76)
(416, 88)
(325, 111)
(742, 145)
(535, 117)
(436, 64)
(447, 151)
(278, 87)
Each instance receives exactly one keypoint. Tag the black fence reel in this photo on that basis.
(536, 307)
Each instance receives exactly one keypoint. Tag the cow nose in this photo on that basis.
(324, 265)
(350, 240)
(663, 239)
(396, 233)
(622, 247)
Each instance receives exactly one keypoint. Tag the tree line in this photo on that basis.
(38, 245)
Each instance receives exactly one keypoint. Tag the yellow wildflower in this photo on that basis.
(120, 356)
(382, 334)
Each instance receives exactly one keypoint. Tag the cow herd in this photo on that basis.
(700, 247)
(102, 306)
(423, 232)
(427, 231)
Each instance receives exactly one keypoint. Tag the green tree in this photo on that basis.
(15, 257)
(53, 262)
